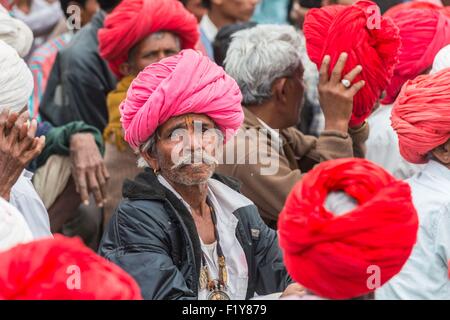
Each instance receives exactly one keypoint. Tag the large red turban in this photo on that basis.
(421, 115)
(332, 30)
(186, 83)
(423, 32)
(413, 5)
(133, 20)
(62, 269)
(333, 255)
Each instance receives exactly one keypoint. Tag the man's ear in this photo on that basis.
(151, 160)
(442, 153)
(279, 90)
(125, 69)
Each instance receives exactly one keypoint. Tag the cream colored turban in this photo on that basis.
(15, 33)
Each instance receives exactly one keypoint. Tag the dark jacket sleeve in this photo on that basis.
(143, 250)
(57, 140)
(271, 275)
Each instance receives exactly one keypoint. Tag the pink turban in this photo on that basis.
(133, 20)
(332, 30)
(423, 32)
(186, 83)
(62, 268)
(421, 115)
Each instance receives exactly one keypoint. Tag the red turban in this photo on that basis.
(421, 115)
(186, 83)
(412, 5)
(331, 255)
(62, 269)
(332, 30)
(133, 20)
(423, 32)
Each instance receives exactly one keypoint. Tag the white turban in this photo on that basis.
(15, 33)
(13, 228)
(442, 60)
(16, 80)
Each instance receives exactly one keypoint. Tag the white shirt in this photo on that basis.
(25, 198)
(209, 28)
(382, 145)
(225, 201)
(426, 273)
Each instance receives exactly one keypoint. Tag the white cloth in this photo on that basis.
(225, 201)
(442, 60)
(13, 228)
(15, 33)
(382, 145)
(209, 28)
(425, 274)
(25, 198)
(16, 80)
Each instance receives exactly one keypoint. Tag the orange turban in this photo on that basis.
(423, 32)
(332, 30)
(62, 269)
(334, 255)
(133, 20)
(421, 115)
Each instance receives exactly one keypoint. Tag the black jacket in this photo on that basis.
(79, 81)
(153, 237)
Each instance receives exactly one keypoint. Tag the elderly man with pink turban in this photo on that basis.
(182, 231)
(421, 119)
(423, 31)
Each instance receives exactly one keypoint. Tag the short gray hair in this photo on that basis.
(148, 146)
(260, 55)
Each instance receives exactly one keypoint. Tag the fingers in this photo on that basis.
(39, 144)
(353, 73)
(12, 118)
(23, 118)
(79, 178)
(356, 87)
(95, 188)
(323, 72)
(102, 181)
(336, 74)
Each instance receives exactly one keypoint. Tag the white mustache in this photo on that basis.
(187, 159)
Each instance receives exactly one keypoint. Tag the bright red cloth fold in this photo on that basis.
(334, 255)
(133, 20)
(421, 115)
(332, 30)
(62, 269)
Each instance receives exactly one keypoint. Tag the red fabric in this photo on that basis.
(330, 255)
(45, 269)
(133, 20)
(335, 29)
(421, 115)
(423, 32)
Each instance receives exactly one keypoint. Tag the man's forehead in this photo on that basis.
(186, 120)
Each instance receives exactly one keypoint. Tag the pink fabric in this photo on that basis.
(185, 83)
(421, 115)
(423, 32)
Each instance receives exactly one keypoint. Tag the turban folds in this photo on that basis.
(13, 227)
(15, 33)
(133, 20)
(185, 83)
(332, 255)
(423, 32)
(16, 80)
(421, 115)
(62, 268)
(332, 30)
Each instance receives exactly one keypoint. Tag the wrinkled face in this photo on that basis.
(240, 10)
(152, 49)
(196, 8)
(185, 149)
